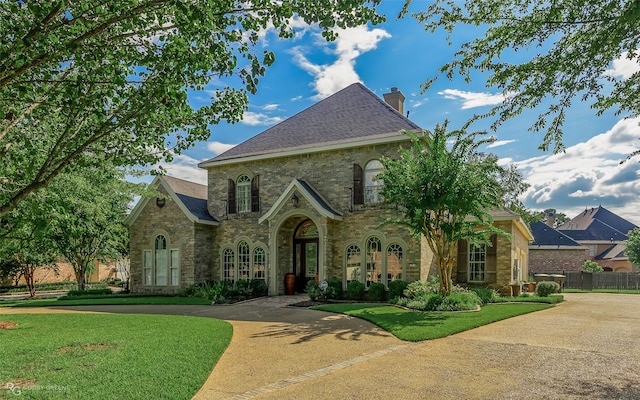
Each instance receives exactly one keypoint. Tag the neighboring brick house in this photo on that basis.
(553, 252)
(300, 198)
(604, 234)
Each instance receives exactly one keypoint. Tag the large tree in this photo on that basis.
(632, 250)
(446, 188)
(87, 214)
(545, 53)
(85, 78)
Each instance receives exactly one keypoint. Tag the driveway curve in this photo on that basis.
(585, 348)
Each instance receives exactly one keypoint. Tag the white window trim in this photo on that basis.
(251, 260)
(483, 262)
(151, 272)
(243, 185)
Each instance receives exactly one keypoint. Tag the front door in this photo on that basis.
(306, 262)
(305, 254)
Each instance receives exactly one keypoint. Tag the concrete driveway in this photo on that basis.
(586, 348)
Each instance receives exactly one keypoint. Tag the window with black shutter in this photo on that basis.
(255, 194)
(231, 197)
(358, 189)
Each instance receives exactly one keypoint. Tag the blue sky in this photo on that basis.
(402, 54)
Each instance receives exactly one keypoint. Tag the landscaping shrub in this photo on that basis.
(89, 292)
(336, 284)
(396, 288)
(377, 292)
(546, 288)
(258, 287)
(486, 295)
(355, 290)
(316, 292)
(460, 301)
(592, 266)
(419, 289)
(428, 302)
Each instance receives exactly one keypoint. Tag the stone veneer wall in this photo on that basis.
(331, 174)
(180, 232)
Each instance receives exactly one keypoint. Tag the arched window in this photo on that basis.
(374, 261)
(244, 261)
(243, 195)
(228, 265)
(353, 264)
(372, 185)
(259, 263)
(394, 262)
(161, 260)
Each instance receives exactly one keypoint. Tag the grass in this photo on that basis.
(415, 326)
(114, 299)
(103, 356)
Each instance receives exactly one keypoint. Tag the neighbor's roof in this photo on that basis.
(614, 252)
(544, 235)
(597, 224)
(353, 114)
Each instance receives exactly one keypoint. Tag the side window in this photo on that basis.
(477, 262)
(228, 265)
(394, 262)
(353, 264)
(372, 185)
(259, 263)
(244, 261)
(161, 260)
(147, 262)
(374, 261)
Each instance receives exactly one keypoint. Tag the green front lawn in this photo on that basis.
(113, 299)
(105, 356)
(415, 326)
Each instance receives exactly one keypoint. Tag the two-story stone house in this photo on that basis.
(301, 198)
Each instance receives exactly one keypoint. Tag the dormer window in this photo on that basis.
(243, 196)
(367, 188)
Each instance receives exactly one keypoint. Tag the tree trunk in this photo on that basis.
(29, 278)
(80, 278)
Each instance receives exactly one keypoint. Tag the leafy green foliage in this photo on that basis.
(318, 291)
(546, 288)
(92, 81)
(355, 290)
(486, 295)
(377, 292)
(564, 51)
(396, 288)
(460, 301)
(632, 250)
(446, 188)
(591, 266)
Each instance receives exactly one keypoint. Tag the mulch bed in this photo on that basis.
(7, 325)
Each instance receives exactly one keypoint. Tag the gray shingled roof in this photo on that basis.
(544, 235)
(192, 195)
(353, 113)
(597, 224)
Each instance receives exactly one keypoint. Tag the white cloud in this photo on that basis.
(185, 167)
(589, 174)
(499, 143)
(473, 99)
(624, 66)
(350, 44)
(218, 147)
(253, 119)
(296, 98)
(270, 107)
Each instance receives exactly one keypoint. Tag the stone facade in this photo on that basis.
(556, 261)
(190, 239)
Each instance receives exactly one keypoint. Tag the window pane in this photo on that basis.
(175, 268)
(228, 263)
(372, 185)
(394, 262)
(244, 261)
(147, 265)
(161, 267)
(243, 197)
(259, 263)
(477, 262)
(354, 264)
(374, 261)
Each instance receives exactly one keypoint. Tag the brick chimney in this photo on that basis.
(550, 218)
(395, 99)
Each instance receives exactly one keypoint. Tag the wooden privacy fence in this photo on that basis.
(602, 280)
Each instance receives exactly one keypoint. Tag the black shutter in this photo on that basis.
(463, 261)
(231, 197)
(492, 260)
(255, 194)
(358, 189)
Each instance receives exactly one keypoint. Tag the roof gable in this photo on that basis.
(351, 114)
(190, 197)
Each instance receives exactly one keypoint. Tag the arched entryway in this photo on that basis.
(305, 253)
